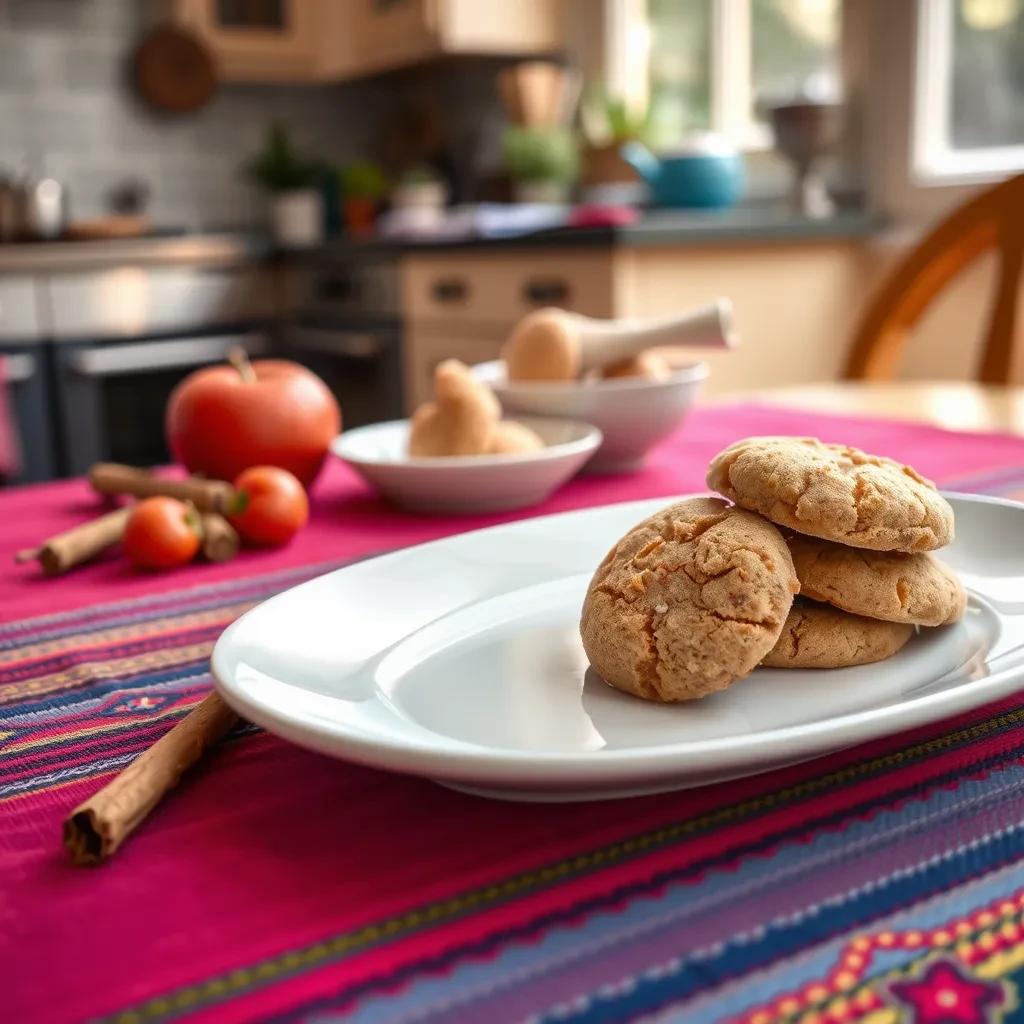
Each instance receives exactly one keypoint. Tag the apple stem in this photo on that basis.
(238, 358)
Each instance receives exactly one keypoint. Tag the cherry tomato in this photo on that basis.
(270, 505)
(161, 533)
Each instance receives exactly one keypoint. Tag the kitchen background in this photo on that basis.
(369, 186)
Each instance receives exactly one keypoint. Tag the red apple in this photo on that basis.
(224, 419)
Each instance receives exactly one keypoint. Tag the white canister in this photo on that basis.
(297, 218)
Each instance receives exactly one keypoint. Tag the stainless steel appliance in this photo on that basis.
(345, 326)
(112, 394)
(28, 404)
(25, 378)
(124, 337)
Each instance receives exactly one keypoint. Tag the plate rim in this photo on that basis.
(450, 757)
(491, 372)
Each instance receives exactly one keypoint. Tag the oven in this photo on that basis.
(344, 325)
(122, 339)
(111, 393)
(359, 361)
(25, 377)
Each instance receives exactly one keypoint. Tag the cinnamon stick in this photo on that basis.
(97, 827)
(220, 539)
(66, 550)
(206, 495)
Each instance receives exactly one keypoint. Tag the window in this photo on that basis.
(969, 95)
(713, 64)
(794, 49)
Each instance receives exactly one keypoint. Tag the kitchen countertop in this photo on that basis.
(214, 248)
(754, 224)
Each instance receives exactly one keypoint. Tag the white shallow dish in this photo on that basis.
(632, 414)
(460, 660)
(467, 483)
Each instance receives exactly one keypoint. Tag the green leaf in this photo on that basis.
(279, 168)
(540, 154)
(239, 503)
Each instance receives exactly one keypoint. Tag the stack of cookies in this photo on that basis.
(698, 595)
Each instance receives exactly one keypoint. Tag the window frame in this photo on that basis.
(933, 160)
(881, 46)
(730, 66)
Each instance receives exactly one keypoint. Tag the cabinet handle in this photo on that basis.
(346, 344)
(450, 289)
(165, 354)
(546, 291)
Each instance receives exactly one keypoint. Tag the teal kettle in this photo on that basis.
(705, 171)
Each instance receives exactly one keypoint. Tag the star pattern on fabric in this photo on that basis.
(944, 995)
(144, 703)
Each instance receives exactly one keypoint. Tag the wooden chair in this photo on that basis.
(992, 220)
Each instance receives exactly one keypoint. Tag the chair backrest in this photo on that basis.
(992, 220)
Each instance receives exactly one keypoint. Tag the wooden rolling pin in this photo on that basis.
(207, 495)
(553, 344)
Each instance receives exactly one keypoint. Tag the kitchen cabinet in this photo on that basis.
(461, 305)
(332, 40)
(423, 349)
(393, 33)
(263, 40)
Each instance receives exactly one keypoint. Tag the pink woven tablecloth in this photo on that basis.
(348, 520)
(276, 882)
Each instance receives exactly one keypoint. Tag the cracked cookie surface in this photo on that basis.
(915, 588)
(834, 492)
(820, 636)
(688, 601)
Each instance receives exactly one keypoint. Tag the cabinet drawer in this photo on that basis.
(499, 289)
(423, 350)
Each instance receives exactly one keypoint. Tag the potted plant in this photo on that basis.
(419, 188)
(543, 163)
(417, 201)
(363, 185)
(296, 204)
(609, 123)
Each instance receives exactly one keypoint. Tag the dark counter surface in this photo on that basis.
(753, 224)
(741, 224)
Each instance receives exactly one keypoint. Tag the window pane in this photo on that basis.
(680, 79)
(987, 106)
(794, 49)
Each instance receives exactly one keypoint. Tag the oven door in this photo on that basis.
(29, 405)
(112, 394)
(360, 364)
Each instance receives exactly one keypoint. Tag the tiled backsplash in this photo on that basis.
(67, 107)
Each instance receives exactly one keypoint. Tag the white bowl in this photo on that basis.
(466, 483)
(632, 413)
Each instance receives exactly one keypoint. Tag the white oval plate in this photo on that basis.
(467, 483)
(460, 660)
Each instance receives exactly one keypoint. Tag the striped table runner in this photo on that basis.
(881, 884)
